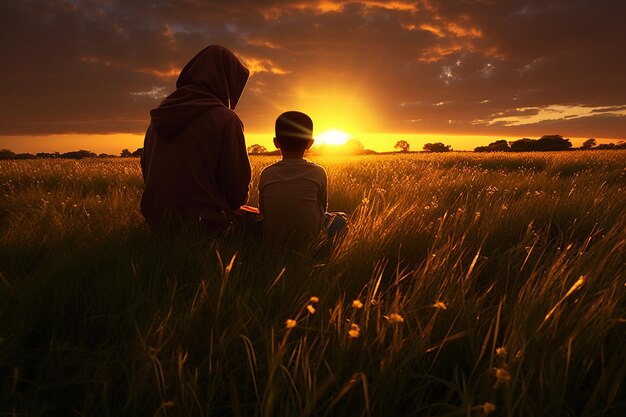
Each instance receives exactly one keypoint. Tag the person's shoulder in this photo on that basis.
(270, 168)
(219, 117)
(268, 173)
(230, 116)
(315, 167)
(225, 115)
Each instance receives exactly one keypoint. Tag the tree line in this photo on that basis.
(543, 144)
(81, 154)
(546, 143)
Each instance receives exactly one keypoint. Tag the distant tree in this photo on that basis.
(6, 154)
(553, 143)
(106, 155)
(498, 146)
(138, 153)
(588, 144)
(46, 155)
(437, 147)
(24, 156)
(402, 146)
(545, 143)
(610, 146)
(125, 153)
(256, 149)
(523, 145)
(78, 154)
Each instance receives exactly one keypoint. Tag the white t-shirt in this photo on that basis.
(293, 199)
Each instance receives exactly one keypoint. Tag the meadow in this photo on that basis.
(467, 285)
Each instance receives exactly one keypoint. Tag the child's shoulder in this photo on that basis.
(294, 165)
(275, 165)
(312, 169)
(314, 166)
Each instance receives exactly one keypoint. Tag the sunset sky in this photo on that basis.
(463, 72)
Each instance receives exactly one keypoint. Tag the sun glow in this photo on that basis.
(332, 137)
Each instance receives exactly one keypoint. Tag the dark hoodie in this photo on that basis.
(195, 165)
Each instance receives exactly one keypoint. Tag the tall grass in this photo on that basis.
(486, 284)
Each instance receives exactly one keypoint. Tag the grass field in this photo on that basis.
(485, 284)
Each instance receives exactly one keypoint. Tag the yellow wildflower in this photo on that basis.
(357, 304)
(314, 299)
(488, 408)
(395, 318)
(440, 305)
(290, 323)
(355, 330)
(311, 309)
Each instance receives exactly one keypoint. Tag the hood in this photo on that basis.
(213, 78)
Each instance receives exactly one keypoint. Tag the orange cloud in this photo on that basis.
(263, 43)
(257, 65)
(437, 53)
(330, 6)
(435, 30)
(171, 72)
(464, 32)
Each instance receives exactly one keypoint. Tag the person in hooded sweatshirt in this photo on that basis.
(195, 165)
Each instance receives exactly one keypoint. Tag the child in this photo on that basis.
(293, 192)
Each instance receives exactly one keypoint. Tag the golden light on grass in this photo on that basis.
(574, 287)
(38, 199)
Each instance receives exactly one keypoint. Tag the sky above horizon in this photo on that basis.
(448, 67)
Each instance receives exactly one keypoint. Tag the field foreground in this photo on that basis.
(466, 285)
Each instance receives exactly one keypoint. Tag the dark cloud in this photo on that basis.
(96, 66)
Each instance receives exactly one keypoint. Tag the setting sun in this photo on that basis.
(332, 137)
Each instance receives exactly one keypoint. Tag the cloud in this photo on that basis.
(99, 66)
(154, 93)
(534, 115)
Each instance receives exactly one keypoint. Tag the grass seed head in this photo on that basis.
(394, 318)
(355, 331)
(488, 408)
(357, 304)
(503, 375)
(440, 305)
(290, 323)
(311, 309)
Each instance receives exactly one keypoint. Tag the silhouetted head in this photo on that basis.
(217, 70)
(294, 132)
